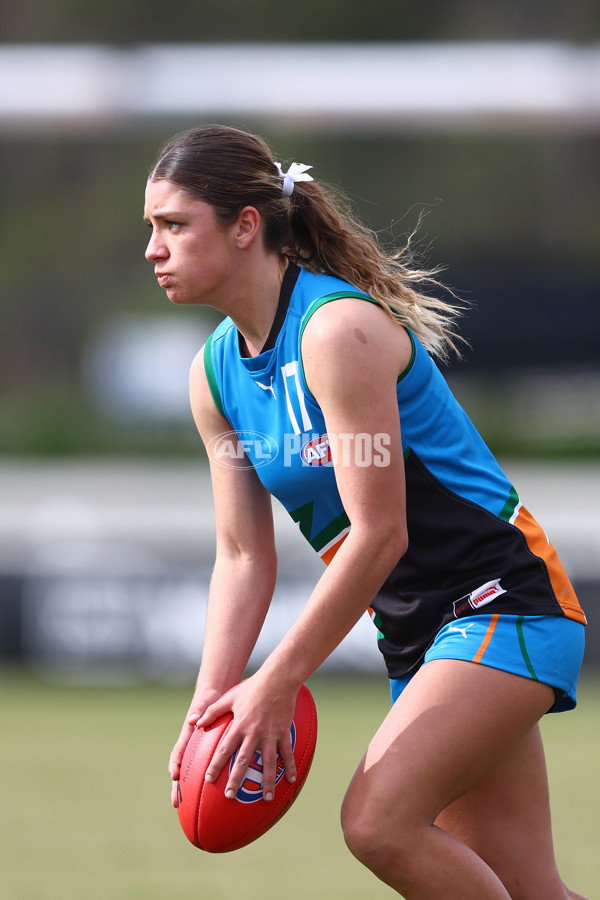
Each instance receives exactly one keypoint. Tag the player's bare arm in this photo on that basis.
(360, 398)
(245, 567)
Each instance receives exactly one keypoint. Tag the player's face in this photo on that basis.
(193, 253)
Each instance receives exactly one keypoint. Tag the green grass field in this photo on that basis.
(86, 813)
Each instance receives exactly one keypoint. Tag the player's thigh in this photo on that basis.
(506, 820)
(450, 729)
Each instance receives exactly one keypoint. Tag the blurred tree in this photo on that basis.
(113, 21)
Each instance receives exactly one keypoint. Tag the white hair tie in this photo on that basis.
(296, 172)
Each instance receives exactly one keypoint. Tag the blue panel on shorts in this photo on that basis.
(545, 648)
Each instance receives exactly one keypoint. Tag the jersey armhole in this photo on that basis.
(340, 296)
(413, 353)
(211, 377)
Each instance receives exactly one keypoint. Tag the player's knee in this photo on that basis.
(360, 833)
(377, 843)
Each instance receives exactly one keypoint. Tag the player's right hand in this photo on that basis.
(200, 702)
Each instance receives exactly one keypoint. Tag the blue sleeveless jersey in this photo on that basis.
(471, 542)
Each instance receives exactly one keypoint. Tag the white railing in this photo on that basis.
(439, 86)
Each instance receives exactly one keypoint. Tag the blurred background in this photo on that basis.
(477, 123)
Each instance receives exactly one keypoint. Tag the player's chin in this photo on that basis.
(178, 298)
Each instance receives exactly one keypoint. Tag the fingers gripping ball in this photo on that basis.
(213, 823)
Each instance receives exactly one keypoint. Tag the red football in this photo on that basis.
(212, 822)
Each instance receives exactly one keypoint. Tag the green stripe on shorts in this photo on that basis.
(524, 652)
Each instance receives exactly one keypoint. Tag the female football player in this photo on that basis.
(320, 388)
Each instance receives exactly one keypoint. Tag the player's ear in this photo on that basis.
(247, 226)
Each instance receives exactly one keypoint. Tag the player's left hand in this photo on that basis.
(262, 718)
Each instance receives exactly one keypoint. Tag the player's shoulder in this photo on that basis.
(199, 386)
(353, 327)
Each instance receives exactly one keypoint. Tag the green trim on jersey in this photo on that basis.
(341, 295)
(211, 377)
(413, 353)
(507, 511)
(303, 516)
(376, 618)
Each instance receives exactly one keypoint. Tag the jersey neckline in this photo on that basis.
(285, 295)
